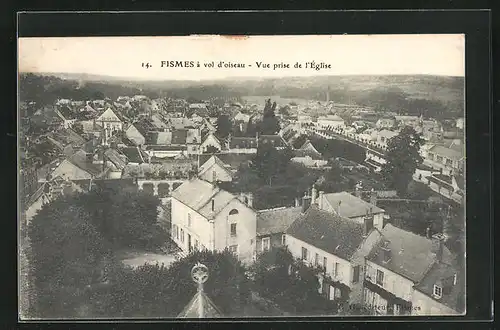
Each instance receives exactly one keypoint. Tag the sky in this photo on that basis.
(122, 57)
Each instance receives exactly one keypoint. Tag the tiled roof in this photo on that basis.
(66, 112)
(350, 206)
(440, 182)
(116, 158)
(79, 159)
(161, 138)
(328, 232)
(197, 194)
(231, 159)
(276, 220)
(108, 115)
(411, 254)
(212, 161)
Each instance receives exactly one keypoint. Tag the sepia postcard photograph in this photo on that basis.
(229, 177)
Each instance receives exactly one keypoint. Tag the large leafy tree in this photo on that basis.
(403, 157)
(270, 124)
(65, 256)
(269, 162)
(224, 126)
(289, 282)
(157, 291)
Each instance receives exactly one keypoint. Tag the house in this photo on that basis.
(66, 140)
(412, 121)
(67, 115)
(135, 135)
(214, 170)
(332, 121)
(398, 264)
(47, 192)
(334, 244)
(308, 156)
(351, 207)
(162, 151)
(91, 128)
(76, 167)
(384, 136)
(386, 123)
(272, 225)
(460, 123)
(234, 161)
(449, 186)
(110, 122)
(274, 140)
(206, 217)
(440, 292)
(451, 161)
(116, 162)
(210, 140)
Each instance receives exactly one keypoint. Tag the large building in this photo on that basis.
(206, 217)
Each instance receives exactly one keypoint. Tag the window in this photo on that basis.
(336, 269)
(380, 277)
(233, 212)
(438, 291)
(182, 235)
(266, 243)
(316, 259)
(189, 219)
(196, 244)
(233, 229)
(283, 239)
(304, 253)
(233, 249)
(325, 262)
(355, 274)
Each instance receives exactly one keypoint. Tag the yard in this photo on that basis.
(135, 258)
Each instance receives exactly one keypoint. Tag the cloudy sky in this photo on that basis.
(347, 54)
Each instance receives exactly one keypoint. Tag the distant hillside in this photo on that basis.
(435, 96)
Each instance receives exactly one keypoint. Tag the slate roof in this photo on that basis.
(79, 159)
(66, 112)
(442, 274)
(242, 143)
(276, 220)
(411, 254)
(439, 181)
(210, 310)
(328, 232)
(197, 194)
(350, 206)
(161, 138)
(179, 136)
(233, 160)
(133, 154)
(116, 158)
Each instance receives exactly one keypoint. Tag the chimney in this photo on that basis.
(357, 192)
(306, 202)
(437, 246)
(297, 202)
(250, 199)
(368, 224)
(373, 197)
(314, 194)
(386, 252)
(428, 232)
(320, 199)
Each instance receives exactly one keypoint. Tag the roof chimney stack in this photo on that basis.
(438, 246)
(320, 199)
(373, 197)
(386, 252)
(314, 194)
(297, 202)
(368, 224)
(306, 202)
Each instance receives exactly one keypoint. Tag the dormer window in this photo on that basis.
(438, 291)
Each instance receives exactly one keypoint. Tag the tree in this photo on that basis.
(65, 256)
(289, 282)
(333, 180)
(224, 126)
(403, 157)
(157, 291)
(270, 124)
(269, 162)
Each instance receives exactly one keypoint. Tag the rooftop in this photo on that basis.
(447, 152)
(350, 205)
(328, 232)
(411, 254)
(210, 310)
(276, 220)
